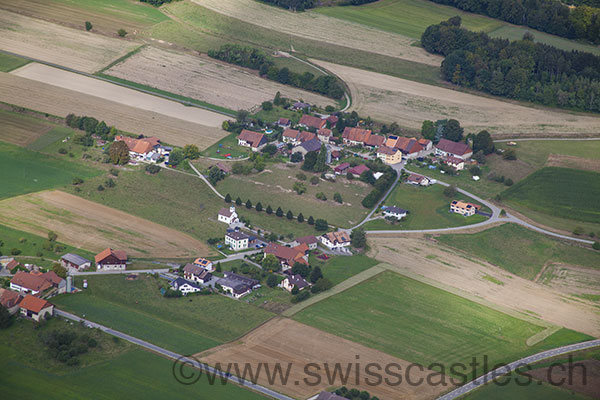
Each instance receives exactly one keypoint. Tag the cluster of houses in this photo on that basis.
(148, 149)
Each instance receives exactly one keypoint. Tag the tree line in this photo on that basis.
(551, 16)
(253, 58)
(519, 69)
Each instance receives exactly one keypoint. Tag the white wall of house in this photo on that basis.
(185, 289)
(18, 288)
(111, 267)
(236, 244)
(37, 316)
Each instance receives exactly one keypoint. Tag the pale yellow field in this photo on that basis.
(207, 80)
(92, 226)
(55, 100)
(83, 51)
(409, 103)
(322, 28)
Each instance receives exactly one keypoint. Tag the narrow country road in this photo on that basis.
(368, 217)
(490, 376)
(174, 356)
(206, 181)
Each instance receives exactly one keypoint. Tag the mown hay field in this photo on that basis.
(83, 223)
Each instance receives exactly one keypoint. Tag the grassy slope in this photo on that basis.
(25, 171)
(338, 269)
(119, 9)
(390, 311)
(560, 192)
(185, 325)
(112, 370)
(9, 63)
(428, 207)
(519, 250)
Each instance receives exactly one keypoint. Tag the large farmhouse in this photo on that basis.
(335, 240)
(447, 148)
(110, 259)
(254, 140)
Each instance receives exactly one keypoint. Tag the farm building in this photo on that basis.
(185, 286)
(195, 273)
(110, 259)
(311, 241)
(447, 148)
(409, 147)
(341, 169)
(36, 283)
(358, 170)
(308, 146)
(329, 396)
(288, 256)
(335, 240)
(74, 262)
(140, 148)
(237, 240)
(254, 140)
(228, 216)
(36, 308)
(425, 143)
(356, 136)
(292, 281)
(375, 141)
(395, 212)
(309, 121)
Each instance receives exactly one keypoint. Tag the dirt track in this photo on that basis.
(202, 79)
(445, 268)
(43, 40)
(409, 103)
(59, 101)
(94, 227)
(322, 28)
(282, 341)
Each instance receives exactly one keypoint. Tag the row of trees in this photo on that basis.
(91, 126)
(552, 16)
(520, 69)
(253, 58)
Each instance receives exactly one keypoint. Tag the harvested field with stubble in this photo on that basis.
(314, 26)
(57, 44)
(207, 80)
(83, 223)
(55, 100)
(409, 103)
(285, 342)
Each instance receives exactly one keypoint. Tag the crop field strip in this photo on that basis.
(59, 101)
(22, 130)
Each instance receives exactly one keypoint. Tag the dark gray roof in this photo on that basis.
(312, 145)
(237, 235)
(395, 210)
(236, 286)
(180, 281)
(240, 278)
(75, 259)
(329, 396)
(299, 281)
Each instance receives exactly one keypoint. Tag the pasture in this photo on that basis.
(564, 193)
(90, 225)
(9, 62)
(25, 171)
(420, 323)
(112, 370)
(107, 16)
(519, 250)
(57, 44)
(184, 325)
(390, 99)
(536, 152)
(41, 96)
(206, 80)
(428, 209)
(274, 186)
(282, 342)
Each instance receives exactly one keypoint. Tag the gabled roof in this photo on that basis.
(283, 121)
(342, 167)
(336, 154)
(254, 138)
(119, 254)
(226, 212)
(180, 282)
(375, 140)
(332, 119)
(408, 145)
(37, 283)
(203, 262)
(415, 178)
(324, 132)
(311, 239)
(142, 146)
(223, 167)
(329, 396)
(423, 142)
(359, 169)
(454, 160)
(291, 133)
(395, 210)
(387, 150)
(337, 237)
(298, 281)
(75, 259)
(34, 304)
(51, 277)
(312, 145)
(305, 136)
(449, 146)
(192, 269)
(356, 134)
(312, 121)
(237, 235)
(241, 278)
(9, 298)
(12, 264)
(289, 255)
(237, 287)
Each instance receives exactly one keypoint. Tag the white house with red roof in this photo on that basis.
(447, 148)
(109, 259)
(36, 308)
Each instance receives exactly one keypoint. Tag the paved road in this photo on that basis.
(181, 359)
(398, 172)
(461, 391)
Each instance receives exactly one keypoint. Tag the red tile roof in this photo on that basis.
(34, 304)
(120, 254)
(342, 167)
(291, 133)
(356, 134)
(251, 137)
(375, 140)
(289, 255)
(423, 142)
(307, 239)
(324, 132)
(312, 121)
(9, 298)
(449, 146)
(305, 136)
(37, 283)
(359, 169)
(387, 150)
(141, 146)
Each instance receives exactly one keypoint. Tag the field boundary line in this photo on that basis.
(340, 287)
(62, 67)
(538, 337)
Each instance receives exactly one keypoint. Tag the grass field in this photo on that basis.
(408, 17)
(558, 192)
(519, 250)
(423, 324)
(112, 370)
(428, 209)
(30, 245)
(227, 145)
(274, 186)
(536, 152)
(184, 325)
(8, 62)
(338, 269)
(25, 171)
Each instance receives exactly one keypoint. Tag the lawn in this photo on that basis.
(112, 370)
(558, 192)
(184, 325)
(428, 209)
(408, 17)
(9, 62)
(519, 250)
(338, 269)
(31, 245)
(24, 171)
(419, 323)
(227, 145)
